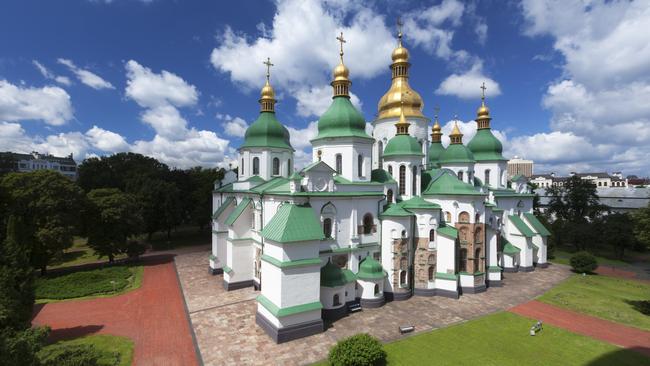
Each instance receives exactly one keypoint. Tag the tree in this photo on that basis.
(113, 218)
(642, 226)
(49, 206)
(160, 203)
(617, 230)
(116, 171)
(202, 186)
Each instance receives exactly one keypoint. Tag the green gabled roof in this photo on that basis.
(332, 275)
(484, 146)
(445, 182)
(427, 176)
(238, 211)
(508, 248)
(311, 166)
(225, 188)
(536, 224)
(516, 177)
(292, 223)
(295, 176)
(456, 153)
(435, 150)
(273, 183)
(255, 179)
(223, 207)
(449, 231)
(381, 176)
(267, 131)
(521, 226)
(349, 276)
(418, 203)
(402, 145)
(370, 269)
(341, 119)
(395, 210)
(488, 204)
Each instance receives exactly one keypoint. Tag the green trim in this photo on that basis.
(227, 269)
(238, 211)
(267, 132)
(212, 257)
(293, 223)
(291, 310)
(537, 225)
(402, 145)
(223, 207)
(521, 226)
(510, 249)
(445, 183)
(446, 276)
(290, 264)
(475, 274)
(219, 231)
(449, 231)
(494, 269)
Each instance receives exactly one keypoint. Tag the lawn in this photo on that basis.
(563, 257)
(80, 253)
(610, 298)
(101, 282)
(113, 350)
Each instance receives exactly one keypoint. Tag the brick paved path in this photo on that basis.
(604, 330)
(224, 322)
(153, 316)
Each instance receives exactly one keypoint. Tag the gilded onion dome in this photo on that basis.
(436, 148)
(484, 145)
(402, 144)
(400, 95)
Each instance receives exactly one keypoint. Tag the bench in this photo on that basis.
(406, 329)
(353, 308)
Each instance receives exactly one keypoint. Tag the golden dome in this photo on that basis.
(400, 54)
(267, 91)
(436, 127)
(455, 131)
(341, 72)
(483, 111)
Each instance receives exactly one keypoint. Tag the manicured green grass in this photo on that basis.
(108, 281)
(563, 257)
(114, 351)
(605, 297)
(80, 253)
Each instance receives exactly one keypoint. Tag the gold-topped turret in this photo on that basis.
(483, 112)
(400, 97)
(456, 136)
(267, 99)
(341, 82)
(402, 125)
(436, 131)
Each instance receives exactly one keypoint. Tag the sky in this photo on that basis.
(568, 82)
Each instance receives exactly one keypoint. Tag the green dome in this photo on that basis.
(341, 120)
(485, 146)
(456, 153)
(370, 269)
(267, 131)
(332, 276)
(403, 145)
(435, 150)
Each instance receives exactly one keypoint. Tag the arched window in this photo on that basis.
(477, 260)
(389, 196)
(376, 289)
(448, 217)
(403, 233)
(276, 166)
(335, 300)
(360, 165)
(414, 186)
(368, 223)
(464, 234)
(380, 153)
(390, 170)
(463, 217)
(242, 167)
(432, 273)
(460, 175)
(339, 164)
(432, 235)
(256, 166)
(402, 278)
(477, 218)
(403, 263)
(289, 167)
(478, 235)
(462, 265)
(402, 180)
(327, 227)
(487, 177)
(431, 260)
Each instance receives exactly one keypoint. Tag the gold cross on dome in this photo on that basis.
(437, 109)
(341, 41)
(399, 27)
(483, 87)
(268, 67)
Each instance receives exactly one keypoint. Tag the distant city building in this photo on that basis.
(616, 199)
(518, 166)
(36, 161)
(600, 180)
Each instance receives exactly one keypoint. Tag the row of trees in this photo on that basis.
(578, 219)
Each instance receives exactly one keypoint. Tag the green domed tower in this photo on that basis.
(457, 157)
(435, 149)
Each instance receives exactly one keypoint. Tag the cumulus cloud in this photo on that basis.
(86, 77)
(314, 101)
(150, 89)
(50, 104)
(105, 140)
(63, 80)
(467, 85)
(468, 129)
(235, 127)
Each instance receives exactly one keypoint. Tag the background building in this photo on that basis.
(36, 161)
(519, 166)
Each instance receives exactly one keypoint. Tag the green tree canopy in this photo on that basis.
(116, 171)
(617, 231)
(642, 225)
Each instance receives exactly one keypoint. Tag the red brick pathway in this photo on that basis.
(617, 272)
(153, 316)
(604, 330)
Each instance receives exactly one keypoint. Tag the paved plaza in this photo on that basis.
(224, 322)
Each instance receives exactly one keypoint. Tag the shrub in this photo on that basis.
(358, 350)
(78, 355)
(135, 249)
(83, 283)
(583, 262)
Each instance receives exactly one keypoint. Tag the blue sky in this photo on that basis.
(568, 82)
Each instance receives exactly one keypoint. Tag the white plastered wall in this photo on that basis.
(349, 149)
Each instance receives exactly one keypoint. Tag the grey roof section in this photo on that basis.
(34, 156)
(615, 198)
(597, 175)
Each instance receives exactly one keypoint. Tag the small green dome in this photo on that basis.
(403, 145)
(332, 276)
(485, 146)
(370, 269)
(267, 131)
(341, 120)
(456, 153)
(435, 150)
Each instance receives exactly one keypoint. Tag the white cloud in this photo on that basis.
(426, 28)
(105, 140)
(86, 77)
(235, 127)
(150, 89)
(481, 30)
(50, 104)
(468, 129)
(467, 85)
(166, 120)
(63, 80)
(315, 101)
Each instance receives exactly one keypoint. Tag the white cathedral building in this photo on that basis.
(373, 218)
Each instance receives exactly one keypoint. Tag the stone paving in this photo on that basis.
(224, 322)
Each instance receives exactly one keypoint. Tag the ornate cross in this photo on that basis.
(399, 27)
(483, 91)
(437, 109)
(268, 67)
(341, 41)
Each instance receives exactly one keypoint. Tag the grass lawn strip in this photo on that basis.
(563, 257)
(114, 350)
(604, 297)
(89, 283)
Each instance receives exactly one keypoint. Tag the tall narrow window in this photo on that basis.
(256, 166)
(242, 167)
(339, 164)
(487, 177)
(462, 265)
(432, 271)
(276, 166)
(327, 227)
(336, 301)
(360, 165)
(389, 196)
(289, 167)
(460, 175)
(368, 223)
(414, 186)
(432, 235)
(477, 260)
(390, 170)
(380, 153)
(402, 180)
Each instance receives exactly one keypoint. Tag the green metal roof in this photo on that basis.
(341, 119)
(418, 202)
(508, 248)
(516, 177)
(349, 276)
(427, 176)
(445, 182)
(267, 131)
(456, 153)
(295, 176)
(449, 231)
(223, 207)
(370, 269)
(485, 146)
(255, 179)
(293, 223)
(381, 176)
(435, 150)
(395, 210)
(332, 275)
(271, 185)
(536, 224)
(311, 166)
(402, 145)
(521, 226)
(238, 211)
